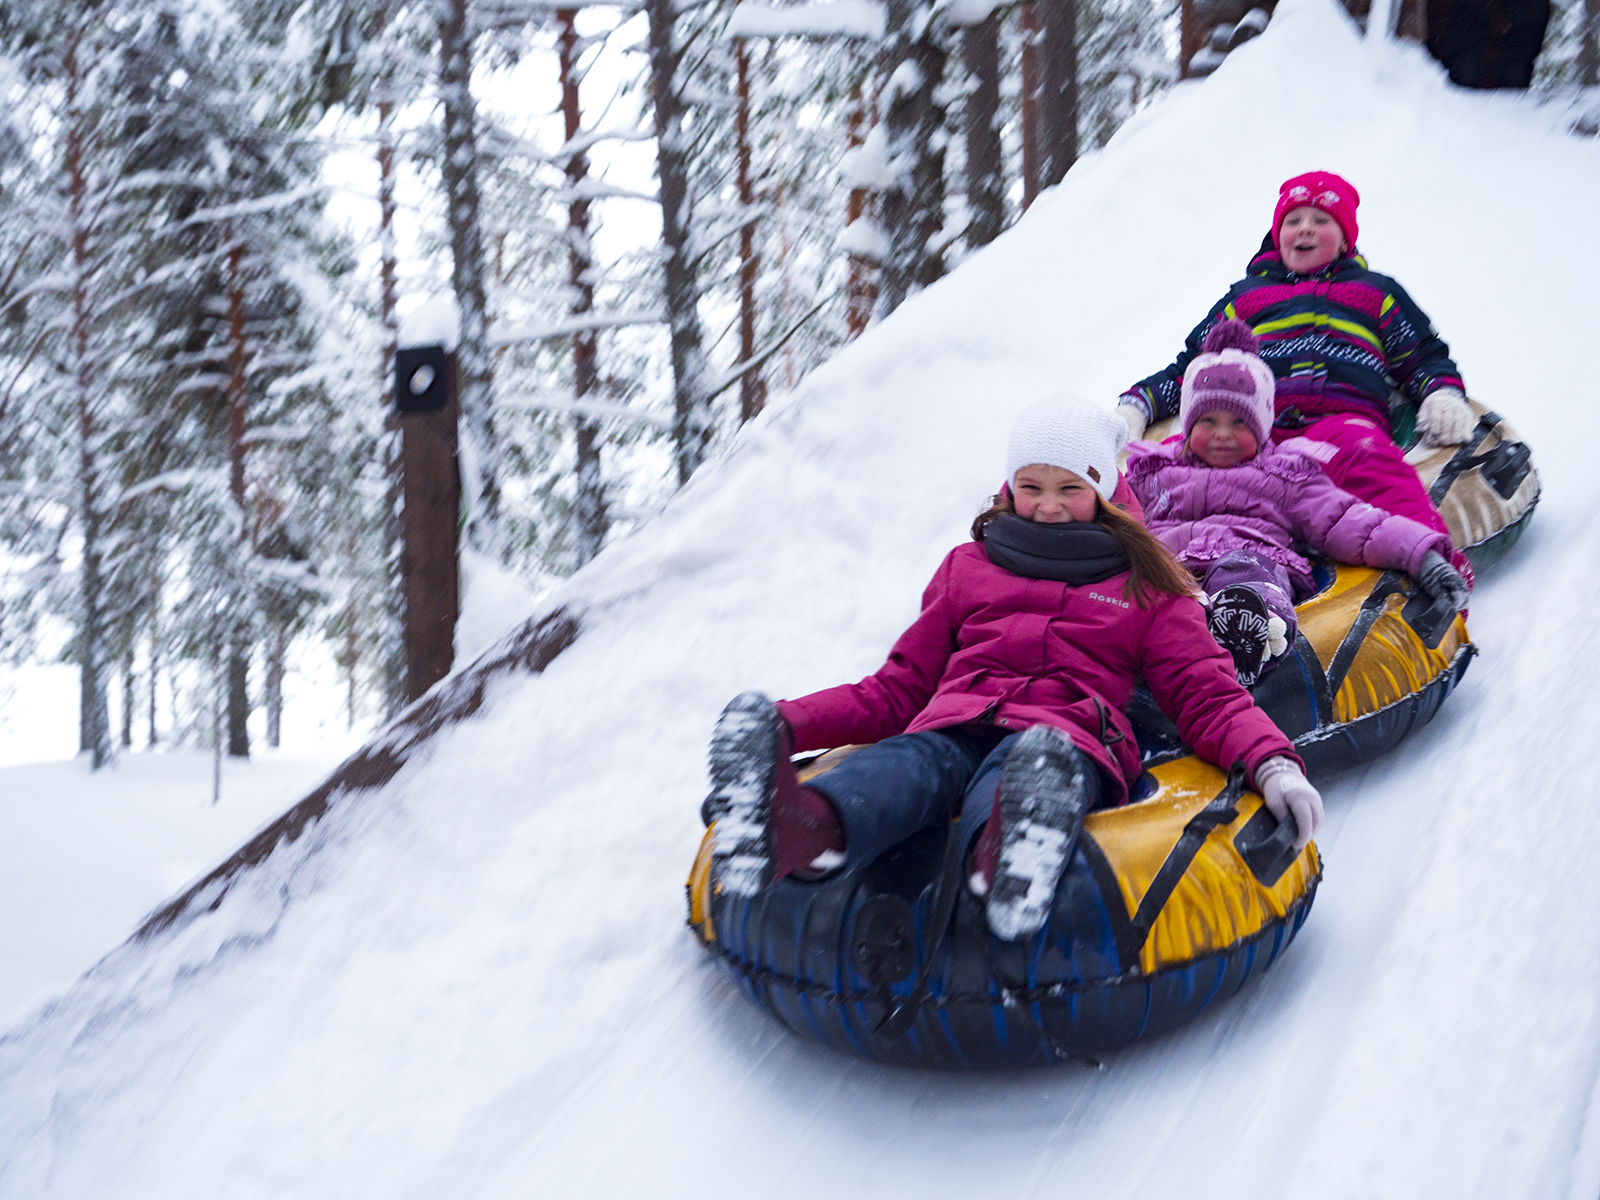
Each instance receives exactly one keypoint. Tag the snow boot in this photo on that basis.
(985, 853)
(1042, 805)
(767, 825)
(1239, 622)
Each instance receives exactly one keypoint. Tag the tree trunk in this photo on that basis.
(986, 183)
(691, 416)
(752, 389)
(393, 640)
(238, 644)
(152, 737)
(1188, 37)
(1030, 103)
(1413, 22)
(94, 731)
(1589, 46)
(861, 294)
(914, 121)
(238, 697)
(127, 698)
(277, 650)
(352, 658)
(1058, 90)
(460, 171)
(593, 521)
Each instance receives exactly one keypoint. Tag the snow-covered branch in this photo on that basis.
(250, 208)
(595, 189)
(539, 333)
(717, 386)
(568, 403)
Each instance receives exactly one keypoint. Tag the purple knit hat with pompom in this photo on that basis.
(1228, 376)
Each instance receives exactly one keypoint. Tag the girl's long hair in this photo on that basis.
(1151, 567)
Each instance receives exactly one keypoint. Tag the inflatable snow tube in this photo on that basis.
(1485, 490)
(1371, 662)
(1169, 905)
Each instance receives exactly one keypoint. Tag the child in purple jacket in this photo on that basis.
(1005, 698)
(1233, 507)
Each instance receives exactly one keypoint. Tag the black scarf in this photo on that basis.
(1074, 552)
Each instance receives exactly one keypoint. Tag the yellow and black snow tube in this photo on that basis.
(1370, 663)
(1485, 490)
(1169, 905)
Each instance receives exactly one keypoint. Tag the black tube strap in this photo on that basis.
(1322, 693)
(1220, 811)
(1465, 458)
(899, 1016)
(1388, 584)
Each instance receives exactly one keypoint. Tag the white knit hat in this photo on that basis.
(1064, 431)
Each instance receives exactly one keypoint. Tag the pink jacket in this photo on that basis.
(1266, 505)
(994, 645)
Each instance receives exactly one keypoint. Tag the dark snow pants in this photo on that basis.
(887, 792)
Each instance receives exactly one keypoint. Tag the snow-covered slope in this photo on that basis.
(475, 980)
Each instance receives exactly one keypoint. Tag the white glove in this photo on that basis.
(1445, 419)
(1134, 416)
(1283, 786)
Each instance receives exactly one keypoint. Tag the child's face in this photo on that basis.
(1052, 495)
(1309, 240)
(1220, 439)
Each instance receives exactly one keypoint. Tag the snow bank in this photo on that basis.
(476, 976)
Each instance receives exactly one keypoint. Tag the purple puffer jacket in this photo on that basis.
(1265, 505)
(994, 645)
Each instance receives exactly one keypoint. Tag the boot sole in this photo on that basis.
(1041, 811)
(744, 748)
(1245, 600)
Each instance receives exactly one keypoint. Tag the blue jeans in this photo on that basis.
(887, 792)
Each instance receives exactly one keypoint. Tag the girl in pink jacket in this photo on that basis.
(1005, 698)
(1232, 507)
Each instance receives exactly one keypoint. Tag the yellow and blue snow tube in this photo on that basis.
(1370, 663)
(1169, 905)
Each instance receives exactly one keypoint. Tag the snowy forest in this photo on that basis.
(639, 218)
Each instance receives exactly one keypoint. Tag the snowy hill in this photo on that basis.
(474, 980)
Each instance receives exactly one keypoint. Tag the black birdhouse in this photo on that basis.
(422, 379)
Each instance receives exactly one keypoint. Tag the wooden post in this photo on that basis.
(430, 565)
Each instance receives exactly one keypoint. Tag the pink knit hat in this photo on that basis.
(1318, 189)
(1228, 376)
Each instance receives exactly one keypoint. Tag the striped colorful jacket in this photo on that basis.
(1344, 339)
